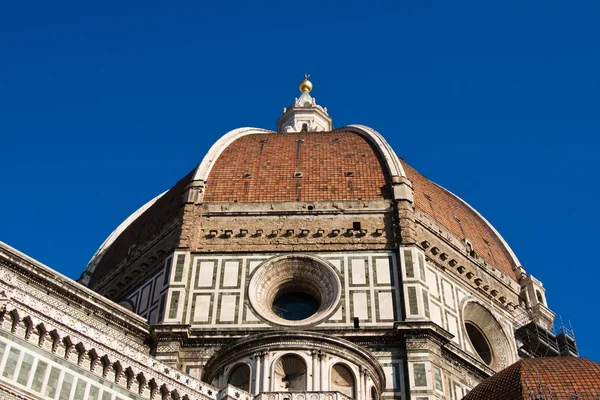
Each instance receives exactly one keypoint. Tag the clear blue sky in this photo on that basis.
(104, 105)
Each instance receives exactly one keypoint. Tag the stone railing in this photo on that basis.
(231, 392)
(301, 396)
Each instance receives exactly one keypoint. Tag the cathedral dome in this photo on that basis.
(339, 165)
(315, 261)
(306, 161)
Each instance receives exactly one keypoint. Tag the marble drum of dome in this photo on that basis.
(295, 290)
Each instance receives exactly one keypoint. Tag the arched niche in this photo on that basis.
(240, 377)
(373, 393)
(342, 380)
(289, 374)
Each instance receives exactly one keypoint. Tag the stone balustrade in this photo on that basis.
(301, 396)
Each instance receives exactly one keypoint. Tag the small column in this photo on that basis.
(359, 384)
(323, 373)
(257, 369)
(365, 385)
(265, 372)
(315, 370)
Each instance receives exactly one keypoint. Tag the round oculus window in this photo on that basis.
(295, 306)
(479, 342)
(296, 290)
(486, 336)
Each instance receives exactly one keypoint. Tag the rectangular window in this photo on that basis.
(413, 307)
(52, 382)
(426, 303)
(174, 304)
(179, 268)
(106, 396)
(80, 389)
(420, 375)
(422, 267)
(93, 393)
(11, 363)
(38, 376)
(65, 390)
(26, 365)
(410, 270)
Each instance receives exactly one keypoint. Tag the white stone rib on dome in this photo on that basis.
(89, 270)
(216, 149)
(392, 161)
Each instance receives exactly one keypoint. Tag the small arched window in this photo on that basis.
(373, 393)
(304, 127)
(342, 380)
(240, 377)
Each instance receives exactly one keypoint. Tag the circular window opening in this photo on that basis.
(295, 305)
(294, 290)
(480, 343)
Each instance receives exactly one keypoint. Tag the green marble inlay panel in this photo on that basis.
(420, 376)
(422, 267)
(413, 306)
(179, 268)
(174, 305)
(408, 261)
(437, 376)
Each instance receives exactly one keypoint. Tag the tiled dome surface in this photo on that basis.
(542, 378)
(460, 219)
(334, 165)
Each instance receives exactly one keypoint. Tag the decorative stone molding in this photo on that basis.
(303, 273)
(310, 344)
(489, 326)
(91, 339)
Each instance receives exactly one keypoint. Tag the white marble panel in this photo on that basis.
(252, 264)
(337, 264)
(382, 267)
(358, 272)
(337, 316)
(453, 326)
(386, 305)
(250, 315)
(231, 273)
(202, 308)
(436, 313)
(448, 294)
(389, 377)
(205, 276)
(361, 308)
(432, 282)
(227, 312)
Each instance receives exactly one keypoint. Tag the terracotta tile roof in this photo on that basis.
(460, 220)
(555, 378)
(334, 165)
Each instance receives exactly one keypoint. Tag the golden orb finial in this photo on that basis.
(305, 85)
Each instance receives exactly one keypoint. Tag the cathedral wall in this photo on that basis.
(211, 291)
(437, 369)
(149, 298)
